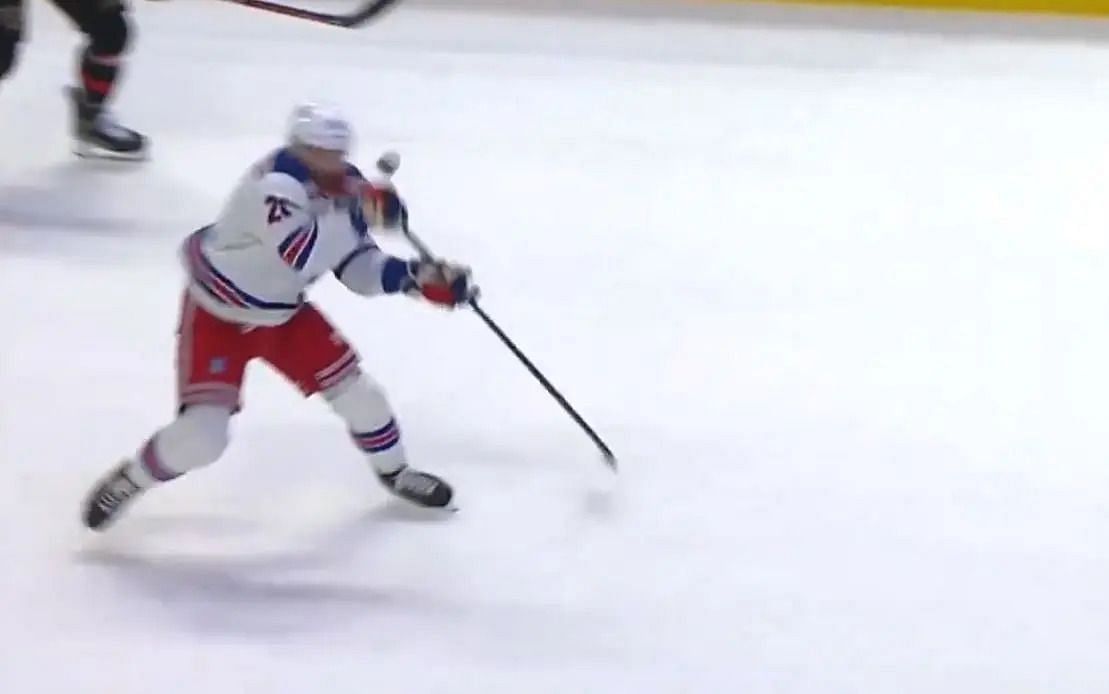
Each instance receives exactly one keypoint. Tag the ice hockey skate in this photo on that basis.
(98, 135)
(420, 488)
(110, 497)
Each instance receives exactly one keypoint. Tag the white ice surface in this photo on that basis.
(838, 300)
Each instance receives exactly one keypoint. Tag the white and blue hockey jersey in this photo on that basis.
(276, 235)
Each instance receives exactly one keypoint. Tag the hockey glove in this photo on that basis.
(382, 207)
(442, 283)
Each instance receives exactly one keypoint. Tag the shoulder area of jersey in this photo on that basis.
(320, 125)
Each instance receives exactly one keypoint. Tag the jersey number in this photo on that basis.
(279, 208)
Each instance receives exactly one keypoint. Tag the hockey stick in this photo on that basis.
(609, 458)
(348, 21)
(387, 164)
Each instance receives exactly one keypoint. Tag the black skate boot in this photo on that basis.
(98, 135)
(421, 488)
(109, 497)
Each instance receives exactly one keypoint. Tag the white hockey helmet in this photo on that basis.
(320, 125)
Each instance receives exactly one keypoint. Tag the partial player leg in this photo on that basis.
(373, 426)
(197, 437)
(212, 357)
(105, 24)
(11, 33)
(314, 355)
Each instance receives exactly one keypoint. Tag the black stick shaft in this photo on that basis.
(349, 21)
(610, 459)
(554, 392)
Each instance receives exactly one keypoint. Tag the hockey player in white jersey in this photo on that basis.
(300, 213)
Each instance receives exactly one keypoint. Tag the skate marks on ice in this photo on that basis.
(102, 200)
(63, 199)
(231, 574)
(356, 573)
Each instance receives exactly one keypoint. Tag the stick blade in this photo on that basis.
(610, 460)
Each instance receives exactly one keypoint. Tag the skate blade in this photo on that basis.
(88, 150)
(416, 506)
(404, 511)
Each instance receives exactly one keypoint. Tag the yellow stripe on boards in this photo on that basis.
(1079, 7)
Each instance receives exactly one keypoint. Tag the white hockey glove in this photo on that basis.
(442, 283)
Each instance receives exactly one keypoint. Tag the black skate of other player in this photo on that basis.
(99, 135)
(104, 22)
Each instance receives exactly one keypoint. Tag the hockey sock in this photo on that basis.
(362, 405)
(382, 446)
(98, 76)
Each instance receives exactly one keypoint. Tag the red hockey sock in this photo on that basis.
(98, 75)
